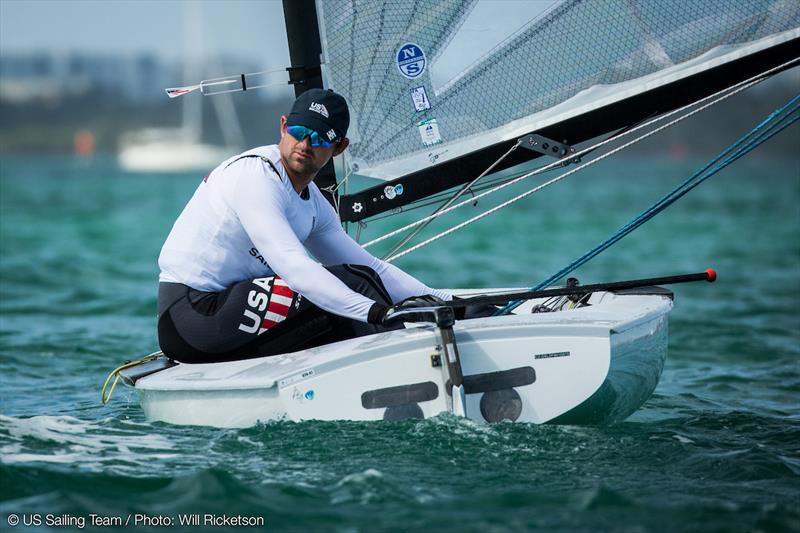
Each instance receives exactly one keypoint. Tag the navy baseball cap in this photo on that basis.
(324, 111)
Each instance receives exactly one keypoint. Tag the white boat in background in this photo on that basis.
(579, 72)
(181, 149)
(169, 150)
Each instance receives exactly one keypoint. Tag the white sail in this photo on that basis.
(577, 56)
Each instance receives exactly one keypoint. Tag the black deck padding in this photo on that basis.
(503, 379)
(400, 395)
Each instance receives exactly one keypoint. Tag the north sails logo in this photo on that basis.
(331, 135)
(319, 108)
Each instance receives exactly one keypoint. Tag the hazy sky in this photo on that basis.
(250, 29)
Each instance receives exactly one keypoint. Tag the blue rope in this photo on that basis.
(764, 131)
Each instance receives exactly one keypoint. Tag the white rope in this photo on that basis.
(449, 202)
(734, 90)
(554, 180)
(716, 98)
(346, 176)
(332, 190)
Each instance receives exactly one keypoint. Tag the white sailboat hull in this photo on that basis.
(595, 364)
(177, 155)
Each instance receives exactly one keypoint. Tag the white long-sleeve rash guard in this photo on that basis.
(245, 221)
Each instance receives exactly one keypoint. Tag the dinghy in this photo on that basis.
(573, 355)
(597, 363)
(581, 72)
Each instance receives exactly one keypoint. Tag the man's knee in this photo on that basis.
(362, 279)
(348, 270)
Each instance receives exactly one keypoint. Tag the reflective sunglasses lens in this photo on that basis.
(316, 140)
(324, 144)
(301, 132)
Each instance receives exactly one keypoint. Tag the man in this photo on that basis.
(236, 281)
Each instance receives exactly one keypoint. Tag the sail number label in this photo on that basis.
(411, 61)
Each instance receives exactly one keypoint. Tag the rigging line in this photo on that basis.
(734, 89)
(750, 141)
(640, 221)
(678, 193)
(331, 189)
(474, 199)
(334, 187)
(346, 177)
(753, 142)
(485, 184)
(461, 192)
(449, 202)
(566, 174)
(743, 85)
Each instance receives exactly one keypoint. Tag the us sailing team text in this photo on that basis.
(135, 519)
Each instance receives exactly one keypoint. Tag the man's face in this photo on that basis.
(302, 159)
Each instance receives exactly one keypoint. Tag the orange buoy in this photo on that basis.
(84, 143)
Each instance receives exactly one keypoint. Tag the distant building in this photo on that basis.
(137, 78)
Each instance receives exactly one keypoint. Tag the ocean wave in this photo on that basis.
(105, 445)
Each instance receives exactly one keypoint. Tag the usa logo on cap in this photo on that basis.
(319, 108)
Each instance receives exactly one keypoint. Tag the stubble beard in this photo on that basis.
(303, 167)
(300, 167)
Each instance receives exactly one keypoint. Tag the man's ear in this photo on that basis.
(341, 146)
(283, 125)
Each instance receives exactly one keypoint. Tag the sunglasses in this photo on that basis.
(301, 132)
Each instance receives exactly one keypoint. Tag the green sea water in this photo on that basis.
(717, 447)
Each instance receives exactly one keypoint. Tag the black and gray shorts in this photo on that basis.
(256, 318)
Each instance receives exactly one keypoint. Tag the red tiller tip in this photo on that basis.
(712, 275)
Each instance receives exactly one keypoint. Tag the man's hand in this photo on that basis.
(385, 315)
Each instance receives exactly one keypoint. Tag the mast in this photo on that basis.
(305, 73)
(192, 121)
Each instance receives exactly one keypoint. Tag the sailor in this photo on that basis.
(236, 277)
